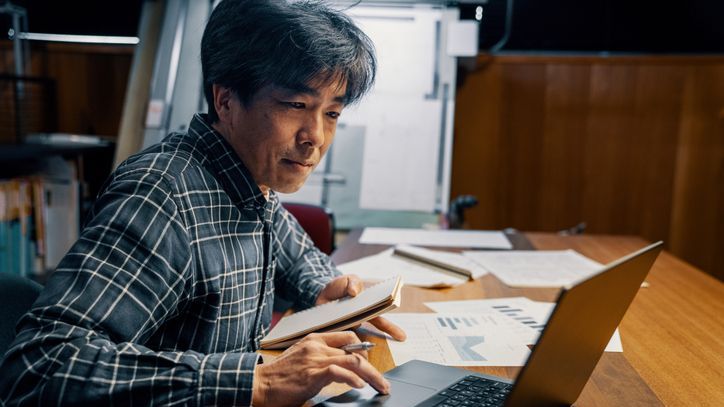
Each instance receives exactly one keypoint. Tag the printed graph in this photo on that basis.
(453, 323)
(517, 315)
(463, 346)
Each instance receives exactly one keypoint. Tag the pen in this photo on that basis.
(357, 346)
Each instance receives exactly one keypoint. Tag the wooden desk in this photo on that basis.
(673, 334)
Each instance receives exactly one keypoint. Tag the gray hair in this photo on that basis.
(249, 44)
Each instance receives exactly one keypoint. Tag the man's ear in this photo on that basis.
(223, 97)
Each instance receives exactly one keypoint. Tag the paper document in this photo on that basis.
(522, 268)
(381, 266)
(529, 316)
(477, 239)
(458, 339)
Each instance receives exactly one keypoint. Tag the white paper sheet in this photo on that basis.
(401, 153)
(381, 266)
(530, 316)
(459, 339)
(480, 239)
(556, 268)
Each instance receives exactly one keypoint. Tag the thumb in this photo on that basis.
(342, 286)
(354, 286)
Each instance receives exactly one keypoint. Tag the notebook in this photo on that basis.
(336, 315)
(586, 314)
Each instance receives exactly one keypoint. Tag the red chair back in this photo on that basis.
(317, 221)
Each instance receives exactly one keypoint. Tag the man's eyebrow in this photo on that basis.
(307, 90)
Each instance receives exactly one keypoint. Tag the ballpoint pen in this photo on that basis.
(357, 346)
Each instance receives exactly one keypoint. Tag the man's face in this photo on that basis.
(282, 134)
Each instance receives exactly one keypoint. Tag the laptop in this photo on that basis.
(577, 332)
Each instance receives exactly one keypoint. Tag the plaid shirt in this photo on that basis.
(168, 291)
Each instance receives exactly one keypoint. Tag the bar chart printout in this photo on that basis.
(520, 316)
(458, 340)
(525, 317)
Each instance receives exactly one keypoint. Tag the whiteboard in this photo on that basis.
(400, 164)
(401, 131)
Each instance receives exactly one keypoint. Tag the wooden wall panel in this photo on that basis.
(478, 162)
(523, 86)
(91, 87)
(547, 142)
(90, 82)
(657, 109)
(562, 152)
(607, 153)
(697, 218)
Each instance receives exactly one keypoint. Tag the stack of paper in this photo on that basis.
(492, 332)
(458, 339)
(555, 268)
(476, 239)
(530, 316)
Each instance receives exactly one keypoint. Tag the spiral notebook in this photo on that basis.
(336, 315)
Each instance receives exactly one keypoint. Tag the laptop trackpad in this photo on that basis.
(401, 395)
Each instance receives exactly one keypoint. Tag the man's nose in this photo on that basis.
(312, 131)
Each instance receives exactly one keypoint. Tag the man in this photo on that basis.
(168, 291)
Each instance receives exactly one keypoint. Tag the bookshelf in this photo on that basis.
(45, 191)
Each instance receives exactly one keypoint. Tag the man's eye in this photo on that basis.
(295, 105)
(333, 115)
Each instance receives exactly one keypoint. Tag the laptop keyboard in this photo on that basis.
(471, 391)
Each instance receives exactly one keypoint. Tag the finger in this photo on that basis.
(336, 339)
(335, 289)
(362, 353)
(362, 368)
(335, 373)
(354, 285)
(313, 345)
(385, 325)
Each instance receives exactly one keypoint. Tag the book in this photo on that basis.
(60, 213)
(17, 239)
(336, 315)
(60, 199)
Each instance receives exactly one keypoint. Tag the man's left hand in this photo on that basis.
(351, 285)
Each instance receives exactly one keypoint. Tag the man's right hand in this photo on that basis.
(306, 367)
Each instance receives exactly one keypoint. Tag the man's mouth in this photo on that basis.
(302, 163)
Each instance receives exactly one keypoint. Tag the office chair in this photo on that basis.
(17, 295)
(317, 221)
(575, 230)
(456, 212)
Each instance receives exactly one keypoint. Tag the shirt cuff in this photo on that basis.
(227, 379)
(311, 290)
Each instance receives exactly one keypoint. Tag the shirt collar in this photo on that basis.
(223, 162)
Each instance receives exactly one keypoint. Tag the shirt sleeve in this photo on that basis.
(82, 341)
(302, 270)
